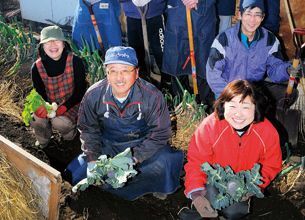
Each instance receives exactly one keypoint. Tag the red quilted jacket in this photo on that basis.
(215, 141)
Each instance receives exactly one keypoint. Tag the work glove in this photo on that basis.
(246, 197)
(190, 3)
(41, 112)
(90, 166)
(135, 160)
(295, 71)
(61, 110)
(203, 205)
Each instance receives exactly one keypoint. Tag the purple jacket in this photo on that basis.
(229, 59)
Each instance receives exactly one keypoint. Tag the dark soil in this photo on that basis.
(96, 204)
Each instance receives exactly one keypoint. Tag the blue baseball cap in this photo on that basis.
(244, 4)
(121, 55)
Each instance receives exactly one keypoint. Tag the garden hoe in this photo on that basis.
(192, 52)
(142, 6)
(94, 23)
(290, 118)
(148, 62)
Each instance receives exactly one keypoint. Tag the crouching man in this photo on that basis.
(124, 111)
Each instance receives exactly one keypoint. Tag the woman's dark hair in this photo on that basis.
(245, 89)
(43, 55)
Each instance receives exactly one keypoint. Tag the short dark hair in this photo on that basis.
(245, 89)
(250, 8)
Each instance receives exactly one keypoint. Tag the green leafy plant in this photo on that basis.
(32, 102)
(232, 187)
(92, 59)
(16, 46)
(113, 171)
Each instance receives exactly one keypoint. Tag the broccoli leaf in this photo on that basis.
(232, 187)
(114, 171)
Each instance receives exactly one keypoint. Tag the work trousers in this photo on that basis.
(272, 19)
(43, 128)
(155, 32)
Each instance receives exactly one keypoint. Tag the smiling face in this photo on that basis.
(121, 77)
(239, 113)
(54, 48)
(251, 19)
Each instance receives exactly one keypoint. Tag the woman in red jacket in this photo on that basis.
(235, 135)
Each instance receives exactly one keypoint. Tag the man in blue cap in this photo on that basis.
(124, 111)
(249, 51)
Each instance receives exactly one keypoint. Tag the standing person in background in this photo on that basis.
(155, 30)
(272, 20)
(176, 46)
(107, 13)
(58, 76)
(225, 11)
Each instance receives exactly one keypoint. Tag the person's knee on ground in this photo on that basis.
(65, 126)
(76, 170)
(42, 129)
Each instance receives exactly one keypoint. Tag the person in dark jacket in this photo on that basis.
(58, 76)
(153, 12)
(125, 111)
(107, 15)
(176, 60)
(272, 20)
(225, 11)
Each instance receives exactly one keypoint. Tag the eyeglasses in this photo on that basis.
(256, 16)
(122, 72)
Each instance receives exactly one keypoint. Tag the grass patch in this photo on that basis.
(7, 104)
(18, 200)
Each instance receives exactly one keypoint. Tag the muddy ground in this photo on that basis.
(96, 204)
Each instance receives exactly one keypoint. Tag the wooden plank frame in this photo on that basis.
(46, 179)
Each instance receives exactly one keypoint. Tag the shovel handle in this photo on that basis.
(192, 53)
(291, 81)
(94, 23)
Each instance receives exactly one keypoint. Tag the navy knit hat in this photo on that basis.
(122, 55)
(244, 4)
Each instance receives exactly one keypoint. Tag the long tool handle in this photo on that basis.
(291, 81)
(192, 53)
(143, 11)
(290, 21)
